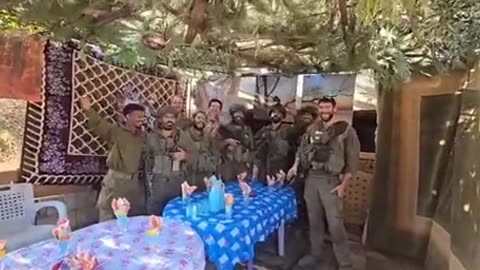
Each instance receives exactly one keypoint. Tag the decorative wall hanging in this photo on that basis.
(58, 147)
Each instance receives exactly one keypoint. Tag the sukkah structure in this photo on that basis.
(398, 39)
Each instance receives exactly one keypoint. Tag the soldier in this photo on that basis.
(272, 145)
(205, 162)
(127, 143)
(331, 151)
(167, 152)
(305, 117)
(215, 107)
(183, 122)
(235, 143)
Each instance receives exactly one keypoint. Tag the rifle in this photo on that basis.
(262, 142)
(228, 132)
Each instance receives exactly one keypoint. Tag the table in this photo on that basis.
(230, 241)
(179, 248)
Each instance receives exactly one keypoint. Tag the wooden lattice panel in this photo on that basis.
(367, 163)
(108, 86)
(356, 200)
(57, 147)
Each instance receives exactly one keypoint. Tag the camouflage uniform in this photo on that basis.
(163, 176)
(241, 155)
(272, 149)
(295, 136)
(123, 163)
(328, 153)
(183, 122)
(205, 161)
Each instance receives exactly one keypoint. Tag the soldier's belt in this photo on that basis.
(122, 175)
(173, 174)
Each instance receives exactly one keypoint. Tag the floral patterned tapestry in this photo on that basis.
(58, 148)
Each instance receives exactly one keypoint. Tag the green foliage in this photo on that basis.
(9, 20)
(394, 37)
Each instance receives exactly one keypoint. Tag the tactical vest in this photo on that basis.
(162, 162)
(319, 149)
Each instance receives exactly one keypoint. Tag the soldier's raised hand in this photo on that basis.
(85, 103)
(208, 183)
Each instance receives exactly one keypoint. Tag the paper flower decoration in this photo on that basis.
(246, 189)
(208, 182)
(242, 177)
(61, 234)
(84, 261)
(120, 207)
(281, 176)
(156, 225)
(187, 190)
(229, 199)
(63, 223)
(271, 180)
(3, 248)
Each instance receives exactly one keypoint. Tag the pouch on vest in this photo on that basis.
(322, 140)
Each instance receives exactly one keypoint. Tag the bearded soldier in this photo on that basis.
(183, 122)
(330, 150)
(127, 143)
(235, 143)
(205, 161)
(305, 117)
(272, 145)
(168, 151)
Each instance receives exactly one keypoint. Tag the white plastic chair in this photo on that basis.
(17, 216)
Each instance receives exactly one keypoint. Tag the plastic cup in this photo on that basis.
(153, 240)
(194, 211)
(229, 210)
(246, 199)
(188, 210)
(63, 246)
(122, 221)
(191, 210)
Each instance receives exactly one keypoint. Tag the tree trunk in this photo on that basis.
(197, 22)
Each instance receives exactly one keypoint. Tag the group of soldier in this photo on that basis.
(148, 167)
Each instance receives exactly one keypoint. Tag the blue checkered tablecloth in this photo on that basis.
(229, 241)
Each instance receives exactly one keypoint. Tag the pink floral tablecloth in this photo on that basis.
(178, 247)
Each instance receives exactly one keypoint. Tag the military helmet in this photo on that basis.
(167, 110)
(277, 108)
(309, 109)
(237, 108)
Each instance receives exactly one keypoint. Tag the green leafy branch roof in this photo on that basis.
(393, 37)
